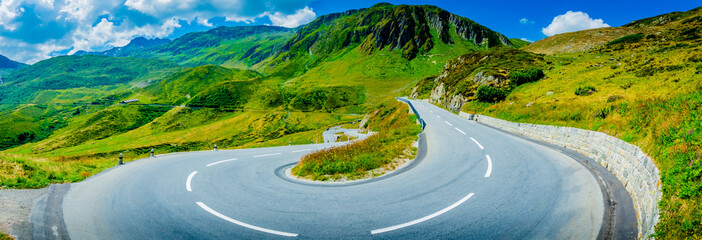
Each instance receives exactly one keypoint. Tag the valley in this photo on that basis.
(67, 118)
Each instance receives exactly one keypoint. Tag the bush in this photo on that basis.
(490, 94)
(526, 76)
(627, 39)
(585, 90)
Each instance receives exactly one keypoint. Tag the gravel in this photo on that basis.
(15, 207)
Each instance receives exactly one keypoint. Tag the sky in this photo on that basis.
(34, 30)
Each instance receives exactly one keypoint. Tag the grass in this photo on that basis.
(4, 236)
(396, 128)
(648, 93)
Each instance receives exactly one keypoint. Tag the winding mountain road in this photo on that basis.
(472, 182)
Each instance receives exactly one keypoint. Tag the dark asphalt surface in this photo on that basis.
(531, 192)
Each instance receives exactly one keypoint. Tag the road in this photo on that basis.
(474, 182)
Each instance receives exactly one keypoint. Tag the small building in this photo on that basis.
(129, 101)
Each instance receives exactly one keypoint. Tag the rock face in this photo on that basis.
(386, 26)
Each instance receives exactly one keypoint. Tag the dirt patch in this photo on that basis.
(15, 207)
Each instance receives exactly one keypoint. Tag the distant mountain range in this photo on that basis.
(7, 63)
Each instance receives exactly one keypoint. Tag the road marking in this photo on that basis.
(223, 161)
(476, 142)
(246, 225)
(301, 150)
(489, 170)
(433, 215)
(448, 123)
(464, 133)
(437, 116)
(190, 179)
(267, 155)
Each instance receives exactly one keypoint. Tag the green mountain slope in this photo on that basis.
(241, 46)
(642, 86)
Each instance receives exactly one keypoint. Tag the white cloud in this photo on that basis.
(301, 16)
(572, 21)
(525, 39)
(525, 21)
(57, 26)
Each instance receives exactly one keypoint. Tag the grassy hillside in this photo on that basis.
(396, 130)
(236, 47)
(642, 87)
(518, 43)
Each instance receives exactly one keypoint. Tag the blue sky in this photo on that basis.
(33, 30)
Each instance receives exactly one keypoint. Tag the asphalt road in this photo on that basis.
(474, 182)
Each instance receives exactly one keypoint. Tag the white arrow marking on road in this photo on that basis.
(246, 225)
(448, 123)
(301, 150)
(223, 161)
(190, 179)
(267, 155)
(433, 215)
(489, 170)
(460, 131)
(476, 142)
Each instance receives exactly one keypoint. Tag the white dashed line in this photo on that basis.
(489, 170)
(476, 142)
(464, 133)
(433, 215)
(267, 155)
(437, 116)
(223, 161)
(246, 225)
(448, 123)
(301, 150)
(190, 179)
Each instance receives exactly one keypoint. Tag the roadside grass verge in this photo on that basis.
(396, 130)
(647, 98)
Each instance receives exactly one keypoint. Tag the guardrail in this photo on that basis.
(419, 117)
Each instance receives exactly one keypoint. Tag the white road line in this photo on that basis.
(448, 123)
(301, 150)
(489, 170)
(223, 161)
(437, 116)
(246, 225)
(476, 142)
(190, 179)
(267, 155)
(464, 133)
(433, 215)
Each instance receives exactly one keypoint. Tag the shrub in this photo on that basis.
(490, 94)
(585, 90)
(627, 39)
(526, 76)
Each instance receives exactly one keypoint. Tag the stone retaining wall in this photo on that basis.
(627, 162)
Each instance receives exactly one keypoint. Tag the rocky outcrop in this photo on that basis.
(386, 26)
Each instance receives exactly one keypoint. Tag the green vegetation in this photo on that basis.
(519, 43)
(396, 131)
(520, 77)
(585, 90)
(4, 236)
(648, 94)
(628, 39)
(489, 94)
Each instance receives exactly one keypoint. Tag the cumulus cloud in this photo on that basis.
(525, 39)
(301, 16)
(32, 30)
(572, 21)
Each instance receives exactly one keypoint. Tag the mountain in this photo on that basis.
(670, 26)
(241, 46)
(7, 63)
(412, 29)
(639, 83)
(135, 45)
